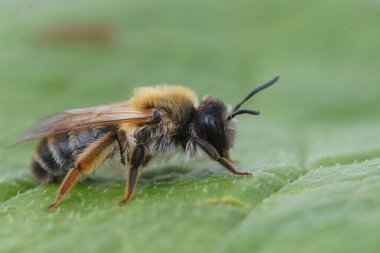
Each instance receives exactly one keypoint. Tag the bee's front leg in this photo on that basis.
(228, 157)
(213, 154)
(138, 158)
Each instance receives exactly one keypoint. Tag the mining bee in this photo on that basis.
(155, 120)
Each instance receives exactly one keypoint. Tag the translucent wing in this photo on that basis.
(72, 120)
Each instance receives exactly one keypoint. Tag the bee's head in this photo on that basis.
(214, 121)
(212, 124)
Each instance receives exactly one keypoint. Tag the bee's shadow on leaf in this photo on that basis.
(156, 175)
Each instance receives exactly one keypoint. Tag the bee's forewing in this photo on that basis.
(75, 119)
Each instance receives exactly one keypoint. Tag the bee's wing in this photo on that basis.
(72, 120)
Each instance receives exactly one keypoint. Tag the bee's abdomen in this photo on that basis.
(52, 158)
(55, 155)
(42, 175)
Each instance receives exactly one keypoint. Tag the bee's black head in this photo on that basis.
(214, 121)
(212, 124)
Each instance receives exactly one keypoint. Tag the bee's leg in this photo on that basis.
(87, 161)
(213, 154)
(138, 158)
(122, 140)
(68, 182)
(228, 157)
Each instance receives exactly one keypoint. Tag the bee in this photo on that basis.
(154, 120)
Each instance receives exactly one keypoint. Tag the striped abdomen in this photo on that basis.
(55, 155)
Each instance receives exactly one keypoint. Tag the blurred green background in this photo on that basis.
(314, 151)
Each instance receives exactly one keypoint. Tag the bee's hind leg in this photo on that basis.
(87, 161)
(68, 182)
(138, 159)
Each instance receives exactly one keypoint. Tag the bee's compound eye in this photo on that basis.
(211, 127)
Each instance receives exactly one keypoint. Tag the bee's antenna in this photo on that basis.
(242, 111)
(260, 88)
(236, 110)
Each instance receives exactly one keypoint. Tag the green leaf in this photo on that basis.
(314, 151)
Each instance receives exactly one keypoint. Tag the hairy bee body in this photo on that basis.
(155, 120)
(55, 155)
(174, 108)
